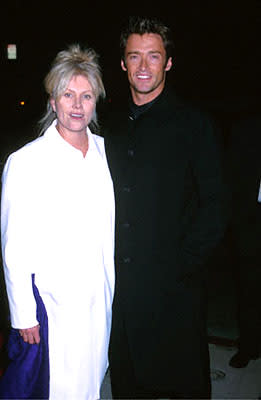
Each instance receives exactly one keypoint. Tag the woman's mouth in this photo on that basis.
(76, 115)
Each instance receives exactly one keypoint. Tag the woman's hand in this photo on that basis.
(31, 335)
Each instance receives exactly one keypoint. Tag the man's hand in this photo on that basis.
(31, 335)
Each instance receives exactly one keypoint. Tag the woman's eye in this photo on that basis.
(67, 94)
(87, 96)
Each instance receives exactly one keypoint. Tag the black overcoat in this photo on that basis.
(167, 172)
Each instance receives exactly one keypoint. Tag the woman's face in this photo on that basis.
(75, 107)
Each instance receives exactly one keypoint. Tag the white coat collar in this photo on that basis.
(61, 144)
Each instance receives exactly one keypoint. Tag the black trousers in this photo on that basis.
(124, 383)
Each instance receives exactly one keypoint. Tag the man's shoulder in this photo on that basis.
(178, 109)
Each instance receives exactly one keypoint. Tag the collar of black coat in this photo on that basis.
(135, 111)
(166, 97)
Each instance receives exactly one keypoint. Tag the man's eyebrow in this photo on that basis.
(155, 51)
(138, 52)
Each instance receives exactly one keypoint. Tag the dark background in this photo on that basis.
(217, 64)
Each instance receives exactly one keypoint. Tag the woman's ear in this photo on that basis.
(52, 102)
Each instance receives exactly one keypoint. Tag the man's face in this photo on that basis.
(145, 63)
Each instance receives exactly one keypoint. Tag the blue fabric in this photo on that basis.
(27, 375)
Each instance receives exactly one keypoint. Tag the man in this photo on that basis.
(244, 171)
(165, 163)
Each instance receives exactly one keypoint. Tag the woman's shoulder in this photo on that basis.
(27, 155)
(98, 140)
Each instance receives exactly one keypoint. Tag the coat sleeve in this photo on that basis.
(16, 236)
(109, 245)
(210, 221)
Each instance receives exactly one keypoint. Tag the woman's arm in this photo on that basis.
(18, 243)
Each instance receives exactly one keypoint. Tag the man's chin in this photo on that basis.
(143, 90)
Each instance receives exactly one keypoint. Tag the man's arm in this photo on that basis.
(210, 222)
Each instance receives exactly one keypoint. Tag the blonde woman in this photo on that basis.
(58, 228)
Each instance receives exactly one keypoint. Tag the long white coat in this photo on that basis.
(57, 221)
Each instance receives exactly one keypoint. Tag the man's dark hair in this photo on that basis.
(141, 25)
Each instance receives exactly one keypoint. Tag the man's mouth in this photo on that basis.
(142, 76)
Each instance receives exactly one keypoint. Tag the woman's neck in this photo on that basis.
(79, 140)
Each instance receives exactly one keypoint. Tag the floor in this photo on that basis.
(227, 382)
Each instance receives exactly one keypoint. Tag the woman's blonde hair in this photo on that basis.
(68, 63)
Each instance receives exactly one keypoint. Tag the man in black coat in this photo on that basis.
(166, 166)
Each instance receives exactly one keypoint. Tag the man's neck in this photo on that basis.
(143, 98)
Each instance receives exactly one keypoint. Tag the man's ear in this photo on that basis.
(168, 64)
(123, 65)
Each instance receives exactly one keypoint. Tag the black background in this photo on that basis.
(217, 64)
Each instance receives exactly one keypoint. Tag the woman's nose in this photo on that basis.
(77, 102)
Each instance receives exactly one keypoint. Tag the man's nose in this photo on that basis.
(143, 63)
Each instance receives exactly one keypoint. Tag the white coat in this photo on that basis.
(57, 221)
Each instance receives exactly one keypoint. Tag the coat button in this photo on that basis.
(126, 260)
(130, 153)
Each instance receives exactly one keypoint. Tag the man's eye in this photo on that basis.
(133, 57)
(155, 57)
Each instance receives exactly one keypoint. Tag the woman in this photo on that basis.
(58, 227)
